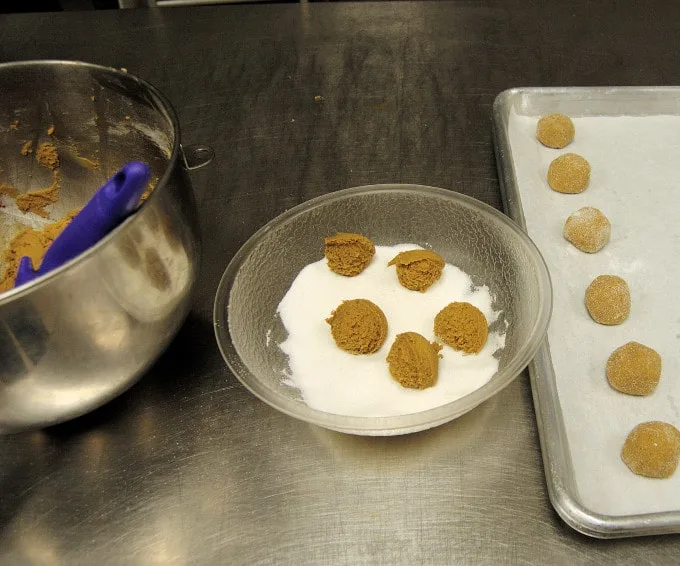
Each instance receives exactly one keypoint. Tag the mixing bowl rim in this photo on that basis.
(43, 280)
(399, 424)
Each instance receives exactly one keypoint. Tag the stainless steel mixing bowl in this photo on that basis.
(465, 232)
(80, 335)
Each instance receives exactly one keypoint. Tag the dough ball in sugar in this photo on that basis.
(358, 326)
(418, 270)
(347, 253)
(413, 361)
(462, 326)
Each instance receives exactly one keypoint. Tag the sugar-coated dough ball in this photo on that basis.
(555, 130)
(569, 173)
(588, 229)
(652, 449)
(608, 299)
(634, 369)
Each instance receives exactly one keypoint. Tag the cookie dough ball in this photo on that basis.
(462, 326)
(413, 361)
(569, 173)
(608, 300)
(417, 270)
(358, 326)
(652, 449)
(555, 130)
(348, 254)
(634, 369)
(588, 229)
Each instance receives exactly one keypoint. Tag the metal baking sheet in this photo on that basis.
(631, 136)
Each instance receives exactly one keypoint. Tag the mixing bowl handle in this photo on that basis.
(196, 156)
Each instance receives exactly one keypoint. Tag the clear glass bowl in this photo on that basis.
(483, 242)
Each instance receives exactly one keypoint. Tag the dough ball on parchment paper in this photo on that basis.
(555, 130)
(588, 229)
(608, 300)
(652, 449)
(634, 369)
(569, 173)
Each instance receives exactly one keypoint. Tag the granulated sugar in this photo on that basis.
(335, 381)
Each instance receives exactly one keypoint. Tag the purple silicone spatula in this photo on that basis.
(109, 206)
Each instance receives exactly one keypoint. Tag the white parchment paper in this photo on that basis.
(635, 181)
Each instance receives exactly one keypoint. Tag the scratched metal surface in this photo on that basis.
(187, 467)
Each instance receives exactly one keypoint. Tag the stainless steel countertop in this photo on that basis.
(187, 467)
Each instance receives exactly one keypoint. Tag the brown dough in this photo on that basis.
(8, 190)
(555, 130)
(588, 229)
(652, 449)
(608, 300)
(634, 369)
(413, 361)
(569, 173)
(462, 326)
(417, 270)
(36, 201)
(47, 155)
(31, 243)
(358, 326)
(26, 148)
(348, 254)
